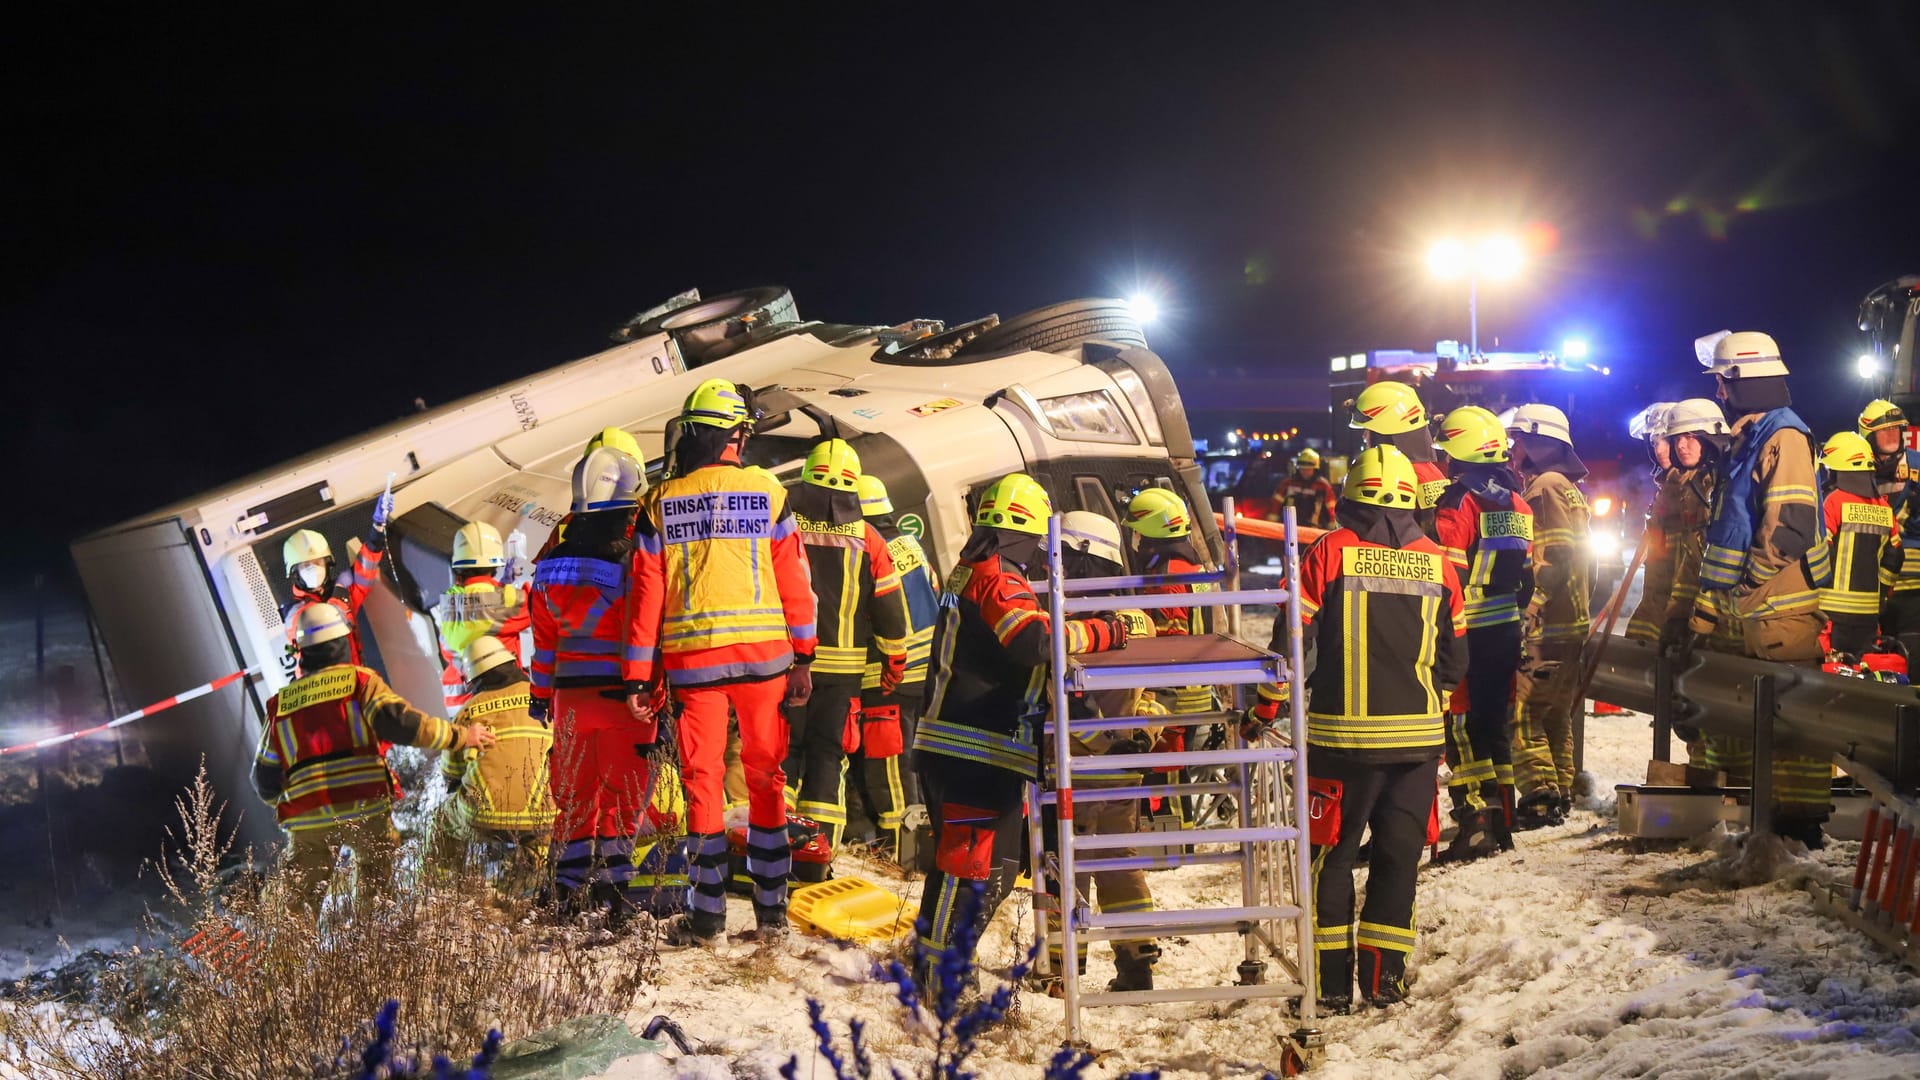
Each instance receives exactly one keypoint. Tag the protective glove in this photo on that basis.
(1257, 721)
(1673, 635)
(799, 684)
(1135, 742)
(382, 511)
(1102, 633)
(538, 708)
(892, 670)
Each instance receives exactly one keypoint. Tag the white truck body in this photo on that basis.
(195, 590)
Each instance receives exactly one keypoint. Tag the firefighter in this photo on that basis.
(1866, 547)
(860, 607)
(1090, 544)
(1390, 413)
(1486, 531)
(321, 765)
(888, 717)
(499, 799)
(1556, 619)
(1656, 588)
(1383, 634)
(1307, 491)
(479, 603)
(1767, 556)
(1699, 435)
(1162, 531)
(1895, 468)
(589, 680)
(727, 613)
(612, 436)
(309, 562)
(976, 748)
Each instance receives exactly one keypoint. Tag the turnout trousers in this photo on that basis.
(1395, 802)
(979, 841)
(704, 715)
(312, 855)
(1480, 738)
(824, 731)
(1543, 739)
(604, 783)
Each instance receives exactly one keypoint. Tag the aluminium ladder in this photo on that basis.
(1267, 779)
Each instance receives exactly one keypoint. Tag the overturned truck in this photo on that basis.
(193, 591)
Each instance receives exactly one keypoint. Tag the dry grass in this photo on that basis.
(286, 998)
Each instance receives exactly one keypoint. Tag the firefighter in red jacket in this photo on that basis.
(976, 747)
(479, 604)
(310, 572)
(1384, 648)
(1866, 547)
(860, 605)
(321, 764)
(1486, 530)
(1390, 413)
(587, 682)
(1308, 492)
(726, 614)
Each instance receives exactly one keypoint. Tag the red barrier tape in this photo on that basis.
(159, 706)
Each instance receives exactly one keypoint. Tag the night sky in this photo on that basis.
(229, 242)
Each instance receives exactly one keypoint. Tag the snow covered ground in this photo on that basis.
(1583, 954)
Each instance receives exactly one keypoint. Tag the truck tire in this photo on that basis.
(1060, 328)
(703, 330)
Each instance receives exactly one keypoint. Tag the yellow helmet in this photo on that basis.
(303, 547)
(1158, 513)
(1879, 415)
(832, 464)
(1473, 434)
(1017, 502)
(1388, 408)
(478, 545)
(1847, 452)
(1382, 476)
(1308, 458)
(874, 501)
(717, 403)
(617, 439)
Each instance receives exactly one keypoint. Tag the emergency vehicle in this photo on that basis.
(1069, 393)
(1448, 378)
(1890, 317)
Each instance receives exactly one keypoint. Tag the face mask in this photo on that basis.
(312, 575)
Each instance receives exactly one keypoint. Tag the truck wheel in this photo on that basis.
(704, 329)
(1061, 328)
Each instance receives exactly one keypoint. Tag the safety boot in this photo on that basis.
(1133, 969)
(1472, 839)
(1383, 977)
(1500, 814)
(1539, 810)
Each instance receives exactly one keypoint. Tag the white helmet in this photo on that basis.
(482, 655)
(1651, 422)
(318, 623)
(303, 547)
(1747, 354)
(1092, 534)
(1697, 416)
(607, 478)
(478, 545)
(1542, 420)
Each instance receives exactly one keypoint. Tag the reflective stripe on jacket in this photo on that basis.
(1489, 546)
(320, 761)
(1863, 558)
(505, 787)
(723, 585)
(922, 595)
(858, 592)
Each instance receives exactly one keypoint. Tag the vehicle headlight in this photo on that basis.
(1604, 545)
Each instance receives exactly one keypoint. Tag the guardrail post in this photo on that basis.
(1763, 709)
(1662, 708)
(1906, 748)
